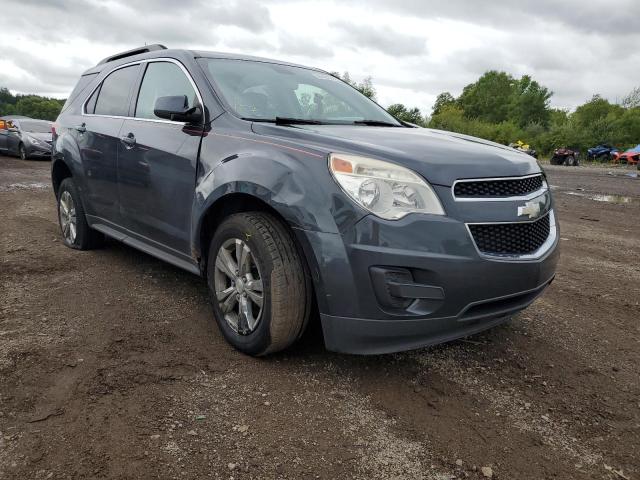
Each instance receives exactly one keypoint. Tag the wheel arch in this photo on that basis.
(59, 171)
(238, 202)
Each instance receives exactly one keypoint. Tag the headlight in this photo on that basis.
(36, 141)
(385, 189)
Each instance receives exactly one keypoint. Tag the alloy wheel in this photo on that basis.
(238, 286)
(68, 220)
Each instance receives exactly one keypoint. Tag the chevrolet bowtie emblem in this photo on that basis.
(532, 209)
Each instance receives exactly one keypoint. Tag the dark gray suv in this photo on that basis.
(292, 193)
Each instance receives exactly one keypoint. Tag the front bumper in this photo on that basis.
(368, 336)
(39, 151)
(466, 292)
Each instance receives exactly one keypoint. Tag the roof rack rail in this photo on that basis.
(135, 51)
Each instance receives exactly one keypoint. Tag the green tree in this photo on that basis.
(412, 115)
(38, 107)
(489, 98)
(365, 87)
(632, 100)
(595, 110)
(442, 100)
(529, 102)
(33, 106)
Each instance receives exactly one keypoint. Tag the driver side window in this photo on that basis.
(163, 79)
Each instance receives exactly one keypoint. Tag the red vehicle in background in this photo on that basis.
(631, 156)
(568, 157)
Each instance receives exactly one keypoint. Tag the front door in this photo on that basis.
(157, 162)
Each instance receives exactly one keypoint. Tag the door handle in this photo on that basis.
(129, 140)
(81, 128)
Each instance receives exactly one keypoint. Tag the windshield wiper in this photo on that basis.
(375, 123)
(286, 121)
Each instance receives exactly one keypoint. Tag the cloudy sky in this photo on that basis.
(413, 49)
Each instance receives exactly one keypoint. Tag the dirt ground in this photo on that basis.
(111, 367)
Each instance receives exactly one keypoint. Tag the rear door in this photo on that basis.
(157, 161)
(98, 137)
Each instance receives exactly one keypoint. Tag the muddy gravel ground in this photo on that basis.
(111, 367)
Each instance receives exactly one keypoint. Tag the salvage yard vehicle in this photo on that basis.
(524, 147)
(602, 152)
(292, 193)
(629, 157)
(565, 156)
(25, 137)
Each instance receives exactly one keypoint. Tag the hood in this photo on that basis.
(440, 157)
(45, 137)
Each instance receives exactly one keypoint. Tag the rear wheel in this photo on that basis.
(76, 232)
(260, 290)
(569, 161)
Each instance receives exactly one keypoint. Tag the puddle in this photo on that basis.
(25, 186)
(601, 197)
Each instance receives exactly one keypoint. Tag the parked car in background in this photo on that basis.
(629, 157)
(290, 192)
(524, 147)
(25, 137)
(602, 152)
(566, 156)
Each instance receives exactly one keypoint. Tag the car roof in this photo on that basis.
(121, 59)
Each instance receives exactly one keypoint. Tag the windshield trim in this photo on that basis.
(203, 64)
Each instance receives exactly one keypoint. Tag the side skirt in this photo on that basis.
(145, 245)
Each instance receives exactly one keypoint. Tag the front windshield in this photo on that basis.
(36, 127)
(267, 91)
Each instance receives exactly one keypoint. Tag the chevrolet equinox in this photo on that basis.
(292, 193)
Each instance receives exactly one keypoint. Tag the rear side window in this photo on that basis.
(113, 98)
(83, 83)
(163, 79)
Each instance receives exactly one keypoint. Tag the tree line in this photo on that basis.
(33, 106)
(504, 109)
(497, 107)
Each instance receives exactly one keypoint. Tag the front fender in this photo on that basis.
(295, 184)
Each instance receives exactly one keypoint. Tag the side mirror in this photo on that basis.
(176, 108)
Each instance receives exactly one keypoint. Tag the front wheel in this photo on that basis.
(260, 290)
(22, 152)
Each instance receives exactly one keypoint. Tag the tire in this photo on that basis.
(569, 161)
(22, 152)
(69, 208)
(272, 263)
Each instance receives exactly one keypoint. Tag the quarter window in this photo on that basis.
(163, 79)
(113, 98)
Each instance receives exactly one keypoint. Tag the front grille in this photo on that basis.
(508, 187)
(511, 238)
